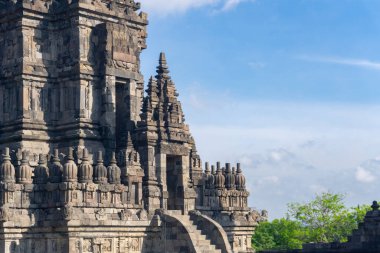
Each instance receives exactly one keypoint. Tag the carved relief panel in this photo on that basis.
(63, 55)
(69, 95)
(123, 46)
(98, 245)
(10, 102)
(11, 51)
(84, 45)
(132, 245)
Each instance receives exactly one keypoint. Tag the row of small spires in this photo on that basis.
(56, 173)
(224, 177)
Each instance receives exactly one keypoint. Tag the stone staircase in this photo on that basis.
(201, 243)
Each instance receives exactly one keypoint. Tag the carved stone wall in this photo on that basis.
(60, 64)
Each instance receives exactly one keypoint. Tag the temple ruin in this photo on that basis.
(91, 162)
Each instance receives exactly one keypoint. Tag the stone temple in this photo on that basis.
(90, 162)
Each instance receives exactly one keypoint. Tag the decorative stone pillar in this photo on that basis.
(70, 170)
(41, 172)
(100, 171)
(25, 172)
(56, 169)
(85, 171)
(114, 172)
(7, 170)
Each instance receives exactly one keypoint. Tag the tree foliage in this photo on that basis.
(322, 220)
(281, 234)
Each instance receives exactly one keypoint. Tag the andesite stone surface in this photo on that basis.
(90, 162)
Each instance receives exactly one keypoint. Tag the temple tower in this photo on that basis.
(69, 73)
(166, 145)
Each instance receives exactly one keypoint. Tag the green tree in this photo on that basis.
(324, 219)
(280, 234)
(350, 221)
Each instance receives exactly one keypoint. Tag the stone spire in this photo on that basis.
(100, 171)
(162, 68)
(230, 178)
(70, 170)
(7, 170)
(85, 169)
(114, 172)
(155, 92)
(161, 107)
(219, 177)
(152, 89)
(130, 160)
(209, 178)
(129, 141)
(56, 169)
(239, 179)
(152, 94)
(25, 172)
(41, 172)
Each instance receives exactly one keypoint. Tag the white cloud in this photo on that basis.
(230, 4)
(364, 176)
(279, 155)
(309, 144)
(362, 63)
(289, 151)
(165, 7)
(246, 160)
(269, 180)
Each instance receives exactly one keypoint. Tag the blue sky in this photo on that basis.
(290, 88)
